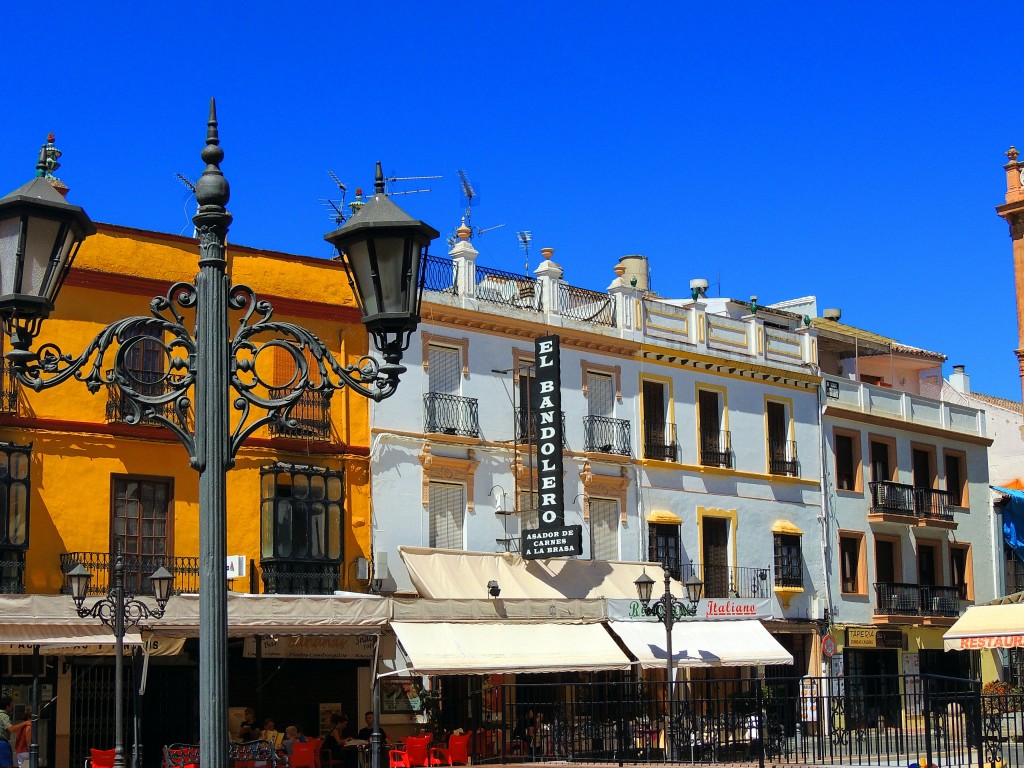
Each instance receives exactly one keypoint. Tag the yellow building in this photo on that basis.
(82, 480)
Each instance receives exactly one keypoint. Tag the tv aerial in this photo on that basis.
(471, 199)
(392, 179)
(525, 237)
(336, 208)
(190, 185)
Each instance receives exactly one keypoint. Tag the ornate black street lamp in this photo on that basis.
(119, 611)
(668, 609)
(383, 251)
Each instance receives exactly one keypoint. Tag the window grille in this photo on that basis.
(15, 463)
(447, 508)
(788, 568)
(663, 540)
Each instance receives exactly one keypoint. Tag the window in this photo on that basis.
(663, 546)
(852, 562)
(14, 487)
(715, 450)
(847, 448)
(301, 536)
(788, 565)
(600, 395)
(445, 410)
(444, 373)
(141, 526)
(960, 570)
(447, 515)
(955, 465)
(604, 529)
(603, 433)
(883, 459)
(781, 450)
(659, 431)
(923, 464)
(529, 510)
(888, 569)
(927, 564)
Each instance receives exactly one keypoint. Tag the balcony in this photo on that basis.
(782, 458)
(896, 602)
(660, 441)
(508, 289)
(137, 570)
(120, 409)
(451, 415)
(526, 427)
(439, 274)
(300, 577)
(311, 415)
(900, 503)
(716, 449)
(589, 306)
(606, 435)
(722, 581)
(8, 388)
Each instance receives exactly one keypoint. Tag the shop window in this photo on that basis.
(852, 561)
(847, 450)
(301, 528)
(788, 561)
(955, 465)
(604, 529)
(447, 515)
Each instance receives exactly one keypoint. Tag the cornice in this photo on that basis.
(839, 412)
(149, 287)
(515, 328)
(730, 368)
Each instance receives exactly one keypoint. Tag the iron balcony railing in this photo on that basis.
(300, 577)
(902, 499)
(782, 457)
(311, 414)
(137, 570)
(581, 304)
(439, 275)
(451, 415)
(660, 441)
(722, 581)
(916, 600)
(526, 426)
(508, 289)
(716, 448)
(119, 406)
(8, 388)
(606, 435)
(12, 571)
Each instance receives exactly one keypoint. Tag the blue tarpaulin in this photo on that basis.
(1013, 520)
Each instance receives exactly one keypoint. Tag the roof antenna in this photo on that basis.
(392, 179)
(336, 208)
(524, 242)
(471, 198)
(190, 185)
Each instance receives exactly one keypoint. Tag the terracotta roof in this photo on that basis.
(1001, 402)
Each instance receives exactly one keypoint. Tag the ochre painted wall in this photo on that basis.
(75, 451)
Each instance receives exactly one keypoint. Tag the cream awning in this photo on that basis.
(987, 626)
(459, 649)
(701, 643)
(459, 575)
(280, 615)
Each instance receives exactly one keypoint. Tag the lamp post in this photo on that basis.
(383, 251)
(119, 611)
(668, 610)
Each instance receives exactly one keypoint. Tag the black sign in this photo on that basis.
(553, 538)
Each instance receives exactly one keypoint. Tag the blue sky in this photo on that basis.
(848, 150)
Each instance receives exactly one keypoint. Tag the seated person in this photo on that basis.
(271, 734)
(247, 729)
(365, 733)
(337, 743)
(292, 734)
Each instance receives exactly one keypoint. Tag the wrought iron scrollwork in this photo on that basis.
(164, 398)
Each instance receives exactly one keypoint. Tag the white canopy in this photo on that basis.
(987, 626)
(445, 573)
(702, 643)
(250, 615)
(468, 648)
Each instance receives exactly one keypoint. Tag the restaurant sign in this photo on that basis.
(708, 609)
(861, 637)
(312, 647)
(552, 538)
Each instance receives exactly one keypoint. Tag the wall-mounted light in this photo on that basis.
(493, 589)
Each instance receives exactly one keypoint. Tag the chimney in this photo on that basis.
(960, 380)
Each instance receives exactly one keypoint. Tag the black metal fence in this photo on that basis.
(606, 435)
(581, 304)
(902, 499)
(137, 570)
(451, 414)
(310, 417)
(853, 720)
(439, 275)
(660, 441)
(716, 448)
(508, 289)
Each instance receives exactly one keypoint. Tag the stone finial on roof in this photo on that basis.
(1012, 153)
(464, 231)
(547, 253)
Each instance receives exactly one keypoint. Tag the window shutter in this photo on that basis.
(444, 370)
(600, 395)
(447, 510)
(604, 527)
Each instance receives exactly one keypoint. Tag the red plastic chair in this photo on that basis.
(318, 745)
(457, 752)
(418, 753)
(100, 758)
(303, 755)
